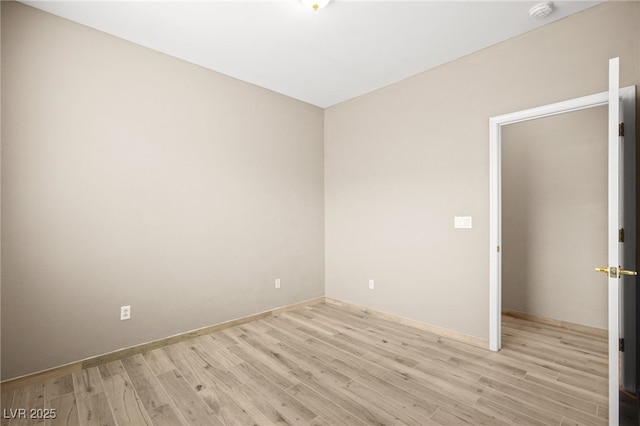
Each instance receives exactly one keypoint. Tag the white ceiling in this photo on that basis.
(347, 49)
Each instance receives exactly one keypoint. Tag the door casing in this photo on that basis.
(627, 97)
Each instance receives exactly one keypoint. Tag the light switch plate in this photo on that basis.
(462, 222)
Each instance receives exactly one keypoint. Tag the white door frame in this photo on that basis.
(627, 95)
(495, 191)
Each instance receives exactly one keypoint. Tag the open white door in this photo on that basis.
(615, 246)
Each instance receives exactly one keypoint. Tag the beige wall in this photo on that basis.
(401, 162)
(554, 217)
(130, 177)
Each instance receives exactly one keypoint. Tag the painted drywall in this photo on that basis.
(133, 178)
(554, 217)
(401, 162)
(129, 177)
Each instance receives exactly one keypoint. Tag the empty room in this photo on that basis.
(335, 212)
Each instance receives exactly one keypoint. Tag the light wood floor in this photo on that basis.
(324, 365)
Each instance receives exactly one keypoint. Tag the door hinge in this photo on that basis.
(621, 235)
(621, 129)
(621, 345)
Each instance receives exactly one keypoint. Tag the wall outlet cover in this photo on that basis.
(462, 222)
(125, 312)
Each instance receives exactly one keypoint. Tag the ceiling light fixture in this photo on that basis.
(541, 10)
(315, 4)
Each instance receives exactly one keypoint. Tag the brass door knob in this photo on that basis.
(616, 272)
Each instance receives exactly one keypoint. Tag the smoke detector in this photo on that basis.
(541, 10)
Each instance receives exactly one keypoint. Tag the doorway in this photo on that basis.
(554, 217)
(622, 317)
(554, 222)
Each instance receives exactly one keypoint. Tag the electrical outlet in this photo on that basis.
(125, 312)
(371, 285)
(277, 282)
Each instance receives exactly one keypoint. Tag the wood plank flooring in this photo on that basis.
(329, 365)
